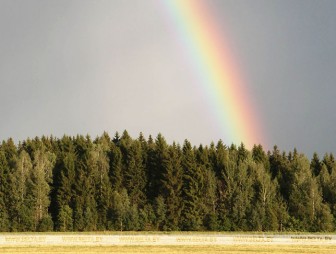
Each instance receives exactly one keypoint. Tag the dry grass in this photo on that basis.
(279, 249)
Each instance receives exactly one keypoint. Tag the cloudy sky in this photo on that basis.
(78, 67)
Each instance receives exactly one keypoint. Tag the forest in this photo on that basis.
(120, 183)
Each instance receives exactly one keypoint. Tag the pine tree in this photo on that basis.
(305, 203)
(209, 197)
(191, 192)
(327, 182)
(90, 215)
(65, 193)
(115, 158)
(239, 193)
(132, 218)
(147, 218)
(268, 212)
(209, 200)
(120, 208)
(171, 187)
(151, 170)
(160, 212)
(4, 171)
(329, 161)
(282, 172)
(315, 164)
(84, 186)
(39, 189)
(103, 190)
(221, 162)
(10, 150)
(78, 217)
(20, 213)
(65, 222)
(134, 176)
(158, 162)
(4, 220)
(64, 179)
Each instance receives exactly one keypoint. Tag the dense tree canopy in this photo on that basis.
(122, 183)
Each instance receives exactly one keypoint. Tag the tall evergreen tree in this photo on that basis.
(115, 172)
(158, 166)
(238, 194)
(120, 207)
(85, 206)
(4, 171)
(65, 192)
(65, 222)
(305, 204)
(134, 176)
(192, 190)
(103, 189)
(329, 161)
(171, 187)
(19, 210)
(39, 189)
(268, 210)
(315, 164)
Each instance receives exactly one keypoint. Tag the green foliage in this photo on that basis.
(46, 224)
(4, 170)
(39, 188)
(160, 213)
(191, 191)
(65, 222)
(76, 184)
(120, 208)
(134, 175)
(4, 220)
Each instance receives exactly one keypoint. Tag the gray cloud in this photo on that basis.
(88, 66)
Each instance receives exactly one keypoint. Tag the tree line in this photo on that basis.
(122, 183)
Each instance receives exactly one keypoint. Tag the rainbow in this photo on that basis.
(210, 56)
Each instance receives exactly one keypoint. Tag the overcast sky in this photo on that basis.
(82, 67)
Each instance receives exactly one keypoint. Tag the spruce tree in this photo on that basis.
(171, 187)
(20, 213)
(65, 180)
(160, 213)
(120, 208)
(315, 165)
(268, 210)
(39, 189)
(192, 190)
(134, 177)
(305, 203)
(209, 190)
(103, 190)
(4, 171)
(115, 172)
(221, 162)
(65, 222)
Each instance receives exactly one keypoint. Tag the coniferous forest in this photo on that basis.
(121, 183)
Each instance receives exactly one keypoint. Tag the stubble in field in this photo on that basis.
(236, 249)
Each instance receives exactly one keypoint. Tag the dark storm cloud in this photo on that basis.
(88, 66)
(288, 52)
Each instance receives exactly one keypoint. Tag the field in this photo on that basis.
(239, 249)
(160, 242)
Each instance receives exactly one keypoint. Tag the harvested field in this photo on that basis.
(238, 249)
(171, 243)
